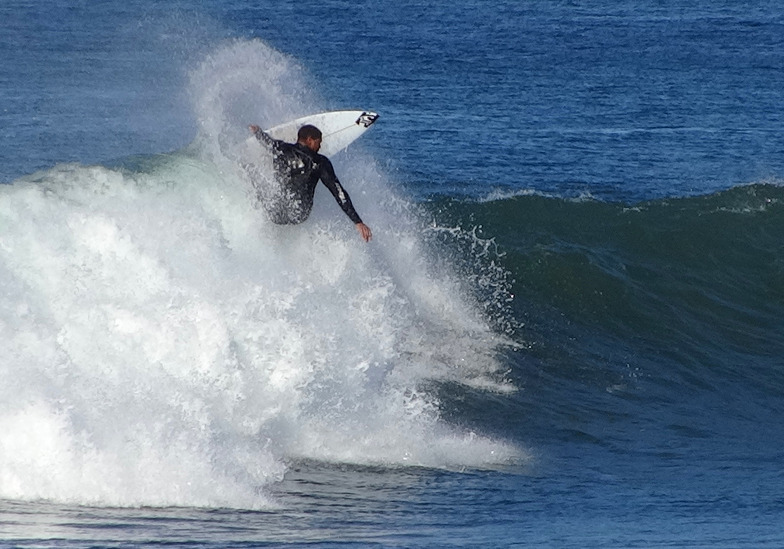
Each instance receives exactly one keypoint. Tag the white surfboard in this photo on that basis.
(338, 128)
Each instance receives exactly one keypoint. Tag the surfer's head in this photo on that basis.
(310, 136)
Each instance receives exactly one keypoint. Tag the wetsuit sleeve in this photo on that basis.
(264, 138)
(330, 180)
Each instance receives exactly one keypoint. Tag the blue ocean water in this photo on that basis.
(566, 332)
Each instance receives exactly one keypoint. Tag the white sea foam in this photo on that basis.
(161, 343)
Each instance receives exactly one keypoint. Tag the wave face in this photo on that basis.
(163, 344)
(658, 322)
(707, 266)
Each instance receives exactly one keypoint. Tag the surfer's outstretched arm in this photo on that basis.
(261, 135)
(331, 182)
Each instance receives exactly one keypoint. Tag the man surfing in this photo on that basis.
(298, 169)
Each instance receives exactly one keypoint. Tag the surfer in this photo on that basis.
(298, 168)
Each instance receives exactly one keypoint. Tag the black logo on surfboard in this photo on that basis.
(366, 119)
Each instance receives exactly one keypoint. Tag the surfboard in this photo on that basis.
(338, 128)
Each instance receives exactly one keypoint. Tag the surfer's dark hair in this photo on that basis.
(308, 131)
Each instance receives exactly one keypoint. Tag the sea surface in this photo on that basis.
(567, 332)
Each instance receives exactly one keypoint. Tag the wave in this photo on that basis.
(693, 287)
(164, 344)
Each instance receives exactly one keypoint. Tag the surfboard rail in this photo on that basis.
(338, 128)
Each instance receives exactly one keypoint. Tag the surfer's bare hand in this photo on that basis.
(364, 232)
(253, 128)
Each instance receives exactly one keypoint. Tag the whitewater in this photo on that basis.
(163, 344)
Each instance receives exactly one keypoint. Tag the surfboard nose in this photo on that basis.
(367, 118)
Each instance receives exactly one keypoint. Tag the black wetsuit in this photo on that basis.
(298, 170)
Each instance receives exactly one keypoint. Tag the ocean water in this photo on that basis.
(567, 331)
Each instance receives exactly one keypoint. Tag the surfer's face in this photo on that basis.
(314, 144)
